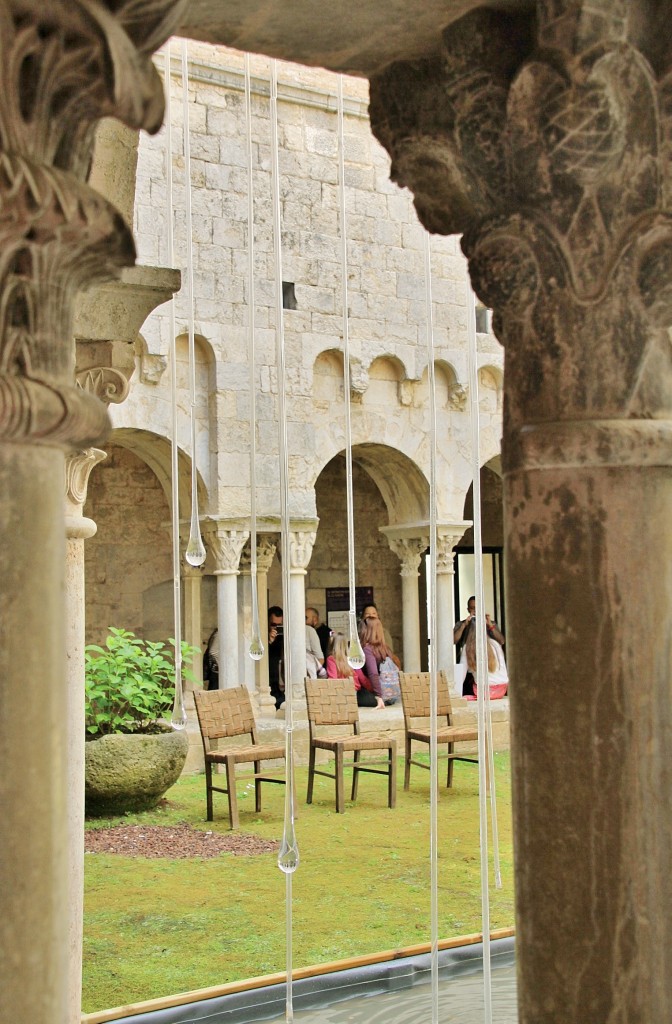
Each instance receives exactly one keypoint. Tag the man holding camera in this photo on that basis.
(461, 632)
(276, 655)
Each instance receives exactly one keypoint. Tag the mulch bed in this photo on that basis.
(175, 842)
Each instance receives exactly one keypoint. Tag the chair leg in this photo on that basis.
(257, 787)
(231, 786)
(338, 772)
(451, 749)
(355, 774)
(407, 767)
(392, 779)
(311, 774)
(208, 790)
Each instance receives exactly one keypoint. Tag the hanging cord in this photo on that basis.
(355, 652)
(178, 718)
(288, 857)
(195, 553)
(256, 648)
(485, 760)
(433, 649)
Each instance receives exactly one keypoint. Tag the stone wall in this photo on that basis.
(128, 561)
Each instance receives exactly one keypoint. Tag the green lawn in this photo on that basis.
(157, 927)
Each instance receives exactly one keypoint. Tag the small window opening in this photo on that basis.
(482, 320)
(288, 296)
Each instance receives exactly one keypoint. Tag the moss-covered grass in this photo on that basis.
(156, 927)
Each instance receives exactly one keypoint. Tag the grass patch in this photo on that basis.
(157, 927)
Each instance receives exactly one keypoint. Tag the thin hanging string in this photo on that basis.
(433, 649)
(288, 857)
(355, 652)
(256, 648)
(484, 735)
(178, 718)
(195, 553)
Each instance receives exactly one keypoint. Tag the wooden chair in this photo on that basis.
(332, 702)
(223, 714)
(416, 703)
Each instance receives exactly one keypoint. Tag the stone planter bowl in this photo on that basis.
(132, 772)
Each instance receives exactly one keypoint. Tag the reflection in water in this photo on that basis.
(460, 1002)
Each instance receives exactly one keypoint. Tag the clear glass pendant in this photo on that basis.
(356, 657)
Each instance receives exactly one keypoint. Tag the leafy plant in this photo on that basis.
(129, 683)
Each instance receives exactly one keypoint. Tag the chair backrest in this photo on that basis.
(223, 713)
(415, 695)
(332, 702)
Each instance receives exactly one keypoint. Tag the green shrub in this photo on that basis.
(130, 683)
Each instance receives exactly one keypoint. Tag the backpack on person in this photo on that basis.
(388, 674)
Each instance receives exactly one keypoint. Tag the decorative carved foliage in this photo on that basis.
(546, 142)
(106, 383)
(62, 67)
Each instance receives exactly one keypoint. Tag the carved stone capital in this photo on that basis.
(266, 547)
(226, 545)
(545, 139)
(300, 549)
(409, 551)
(84, 60)
(446, 540)
(457, 396)
(78, 467)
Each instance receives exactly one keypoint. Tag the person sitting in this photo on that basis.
(498, 676)
(314, 656)
(376, 650)
(321, 628)
(339, 668)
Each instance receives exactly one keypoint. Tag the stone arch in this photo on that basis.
(155, 450)
(446, 386)
(389, 489)
(490, 388)
(328, 378)
(492, 527)
(385, 375)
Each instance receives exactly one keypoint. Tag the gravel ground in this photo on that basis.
(176, 842)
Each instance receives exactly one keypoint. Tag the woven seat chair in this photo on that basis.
(332, 702)
(223, 714)
(415, 699)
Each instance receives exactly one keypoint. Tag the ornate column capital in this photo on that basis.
(226, 544)
(85, 61)
(409, 550)
(545, 138)
(266, 547)
(301, 543)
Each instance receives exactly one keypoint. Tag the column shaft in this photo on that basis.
(411, 621)
(192, 583)
(33, 734)
(445, 618)
(297, 597)
(227, 623)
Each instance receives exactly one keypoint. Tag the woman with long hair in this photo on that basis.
(372, 639)
(339, 668)
(498, 676)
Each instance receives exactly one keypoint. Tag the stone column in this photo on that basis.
(78, 528)
(409, 551)
(227, 544)
(266, 546)
(445, 602)
(57, 236)
(192, 578)
(300, 549)
(545, 139)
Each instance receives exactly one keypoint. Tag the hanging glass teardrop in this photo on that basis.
(288, 857)
(195, 553)
(178, 719)
(256, 648)
(356, 657)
